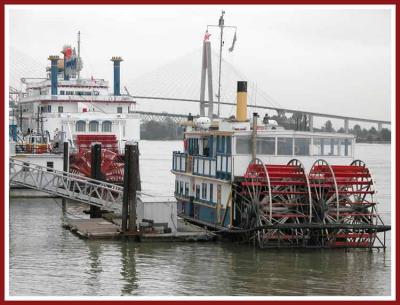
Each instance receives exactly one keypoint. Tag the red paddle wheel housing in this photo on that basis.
(332, 206)
(344, 194)
(112, 163)
(277, 194)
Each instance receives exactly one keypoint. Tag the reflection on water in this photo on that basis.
(47, 260)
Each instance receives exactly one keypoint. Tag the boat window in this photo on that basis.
(60, 109)
(94, 126)
(193, 146)
(228, 145)
(266, 146)
(176, 186)
(197, 191)
(326, 147)
(81, 126)
(206, 149)
(62, 92)
(106, 126)
(211, 192)
(302, 146)
(243, 145)
(285, 146)
(119, 109)
(187, 188)
(204, 191)
(50, 165)
(346, 147)
(181, 187)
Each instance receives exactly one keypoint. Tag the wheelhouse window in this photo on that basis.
(106, 126)
(285, 146)
(302, 146)
(94, 126)
(81, 126)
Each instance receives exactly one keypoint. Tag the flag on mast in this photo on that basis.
(207, 36)
(233, 43)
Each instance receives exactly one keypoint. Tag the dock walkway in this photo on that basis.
(100, 228)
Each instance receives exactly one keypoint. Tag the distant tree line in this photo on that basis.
(165, 130)
(169, 130)
(363, 135)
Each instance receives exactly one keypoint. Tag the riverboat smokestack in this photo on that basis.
(53, 73)
(241, 101)
(117, 74)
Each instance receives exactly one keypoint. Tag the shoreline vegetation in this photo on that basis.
(169, 130)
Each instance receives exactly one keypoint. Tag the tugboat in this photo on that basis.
(64, 107)
(276, 187)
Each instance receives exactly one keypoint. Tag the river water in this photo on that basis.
(47, 260)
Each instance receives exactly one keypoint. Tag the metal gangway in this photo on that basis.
(102, 194)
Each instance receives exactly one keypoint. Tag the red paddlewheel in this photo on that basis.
(276, 194)
(344, 194)
(112, 165)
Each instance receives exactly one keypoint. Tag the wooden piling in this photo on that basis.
(125, 206)
(65, 169)
(131, 186)
(95, 212)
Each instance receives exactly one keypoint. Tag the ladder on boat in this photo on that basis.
(102, 194)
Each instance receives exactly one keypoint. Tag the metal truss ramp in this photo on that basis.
(105, 195)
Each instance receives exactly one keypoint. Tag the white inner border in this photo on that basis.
(392, 8)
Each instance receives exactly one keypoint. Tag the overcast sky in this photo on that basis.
(325, 60)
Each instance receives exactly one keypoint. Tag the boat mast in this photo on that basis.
(79, 54)
(222, 26)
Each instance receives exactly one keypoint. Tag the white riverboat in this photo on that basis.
(64, 107)
(236, 174)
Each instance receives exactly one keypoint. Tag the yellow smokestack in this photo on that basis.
(241, 101)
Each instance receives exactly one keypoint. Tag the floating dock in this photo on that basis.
(100, 228)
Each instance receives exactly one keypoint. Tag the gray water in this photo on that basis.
(47, 260)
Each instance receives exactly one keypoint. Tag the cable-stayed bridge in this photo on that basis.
(173, 90)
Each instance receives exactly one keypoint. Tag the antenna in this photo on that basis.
(79, 54)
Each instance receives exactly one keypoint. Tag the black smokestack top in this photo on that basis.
(241, 86)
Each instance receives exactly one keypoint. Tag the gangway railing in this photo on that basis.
(105, 195)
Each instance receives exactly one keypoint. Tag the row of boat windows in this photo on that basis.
(93, 126)
(209, 146)
(295, 146)
(62, 92)
(203, 191)
(60, 109)
(47, 109)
